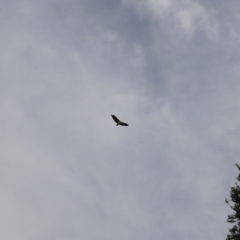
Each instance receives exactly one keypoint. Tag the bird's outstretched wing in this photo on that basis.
(115, 119)
(123, 124)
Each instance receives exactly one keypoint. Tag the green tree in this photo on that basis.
(234, 203)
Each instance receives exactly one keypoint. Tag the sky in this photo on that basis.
(169, 68)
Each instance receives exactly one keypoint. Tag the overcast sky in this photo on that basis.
(169, 68)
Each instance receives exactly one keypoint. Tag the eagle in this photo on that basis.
(118, 121)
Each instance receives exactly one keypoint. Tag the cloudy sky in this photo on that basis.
(169, 68)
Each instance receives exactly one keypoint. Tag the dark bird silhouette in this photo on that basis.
(118, 121)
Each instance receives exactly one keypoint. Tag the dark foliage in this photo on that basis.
(234, 203)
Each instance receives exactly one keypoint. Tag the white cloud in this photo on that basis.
(186, 15)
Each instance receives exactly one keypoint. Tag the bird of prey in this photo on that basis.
(118, 121)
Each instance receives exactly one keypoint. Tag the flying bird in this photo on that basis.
(118, 121)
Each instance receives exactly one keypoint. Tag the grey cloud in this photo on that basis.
(67, 171)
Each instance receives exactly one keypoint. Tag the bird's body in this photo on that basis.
(118, 121)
